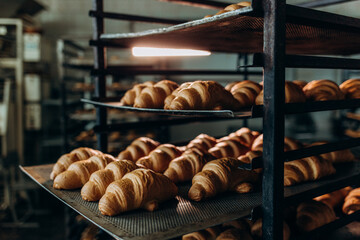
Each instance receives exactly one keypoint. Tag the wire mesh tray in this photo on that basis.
(174, 218)
(247, 113)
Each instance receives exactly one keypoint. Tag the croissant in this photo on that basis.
(313, 214)
(158, 160)
(202, 95)
(351, 88)
(229, 147)
(185, 167)
(141, 188)
(352, 202)
(335, 198)
(67, 159)
(256, 230)
(247, 136)
(171, 97)
(203, 142)
(206, 234)
(340, 156)
(129, 98)
(234, 234)
(154, 96)
(306, 169)
(95, 188)
(245, 92)
(140, 147)
(79, 172)
(219, 176)
(322, 90)
(289, 144)
(293, 94)
(249, 156)
(230, 85)
(300, 83)
(231, 8)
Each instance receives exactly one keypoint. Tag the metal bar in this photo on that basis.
(299, 61)
(123, 71)
(121, 16)
(273, 121)
(200, 3)
(100, 64)
(321, 3)
(338, 223)
(292, 108)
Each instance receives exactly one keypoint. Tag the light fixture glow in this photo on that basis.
(166, 52)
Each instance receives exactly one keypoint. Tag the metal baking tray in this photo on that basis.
(247, 113)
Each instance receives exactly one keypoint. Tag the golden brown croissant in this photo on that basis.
(154, 96)
(185, 167)
(293, 94)
(67, 159)
(249, 156)
(340, 156)
(141, 188)
(256, 230)
(352, 202)
(313, 214)
(300, 83)
(158, 160)
(219, 176)
(306, 169)
(129, 98)
(230, 85)
(203, 142)
(229, 147)
(234, 234)
(247, 136)
(79, 172)
(205, 234)
(289, 144)
(203, 95)
(351, 88)
(322, 90)
(140, 147)
(335, 198)
(171, 97)
(95, 188)
(245, 92)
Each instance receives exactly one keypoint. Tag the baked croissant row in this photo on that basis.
(256, 230)
(293, 94)
(219, 176)
(313, 214)
(245, 92)
(322, 90)
(140, 147)
(306, 169)
(203, 95)
(335, 198)
(79, 172)
(141, 188)
(202, 142)
(154, 96)
(340, 156)
(351, 88)
(95, 188)
(158, 160)
(352, 202)
(66, 160)
(205, 234)
(185, 167)
(246, 136)
(229, 147)
(171, 97)
(129, 98)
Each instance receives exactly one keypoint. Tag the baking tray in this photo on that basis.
(247, 113)
(174, 218)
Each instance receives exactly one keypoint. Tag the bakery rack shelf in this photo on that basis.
(303, 61)
(308, 32)
(181, 215)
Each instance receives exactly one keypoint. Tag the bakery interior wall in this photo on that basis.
(70, 18)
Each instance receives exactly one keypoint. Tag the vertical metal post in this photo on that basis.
(100, 63)
(273, 121)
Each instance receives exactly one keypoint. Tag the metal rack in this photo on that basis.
(275, 29)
